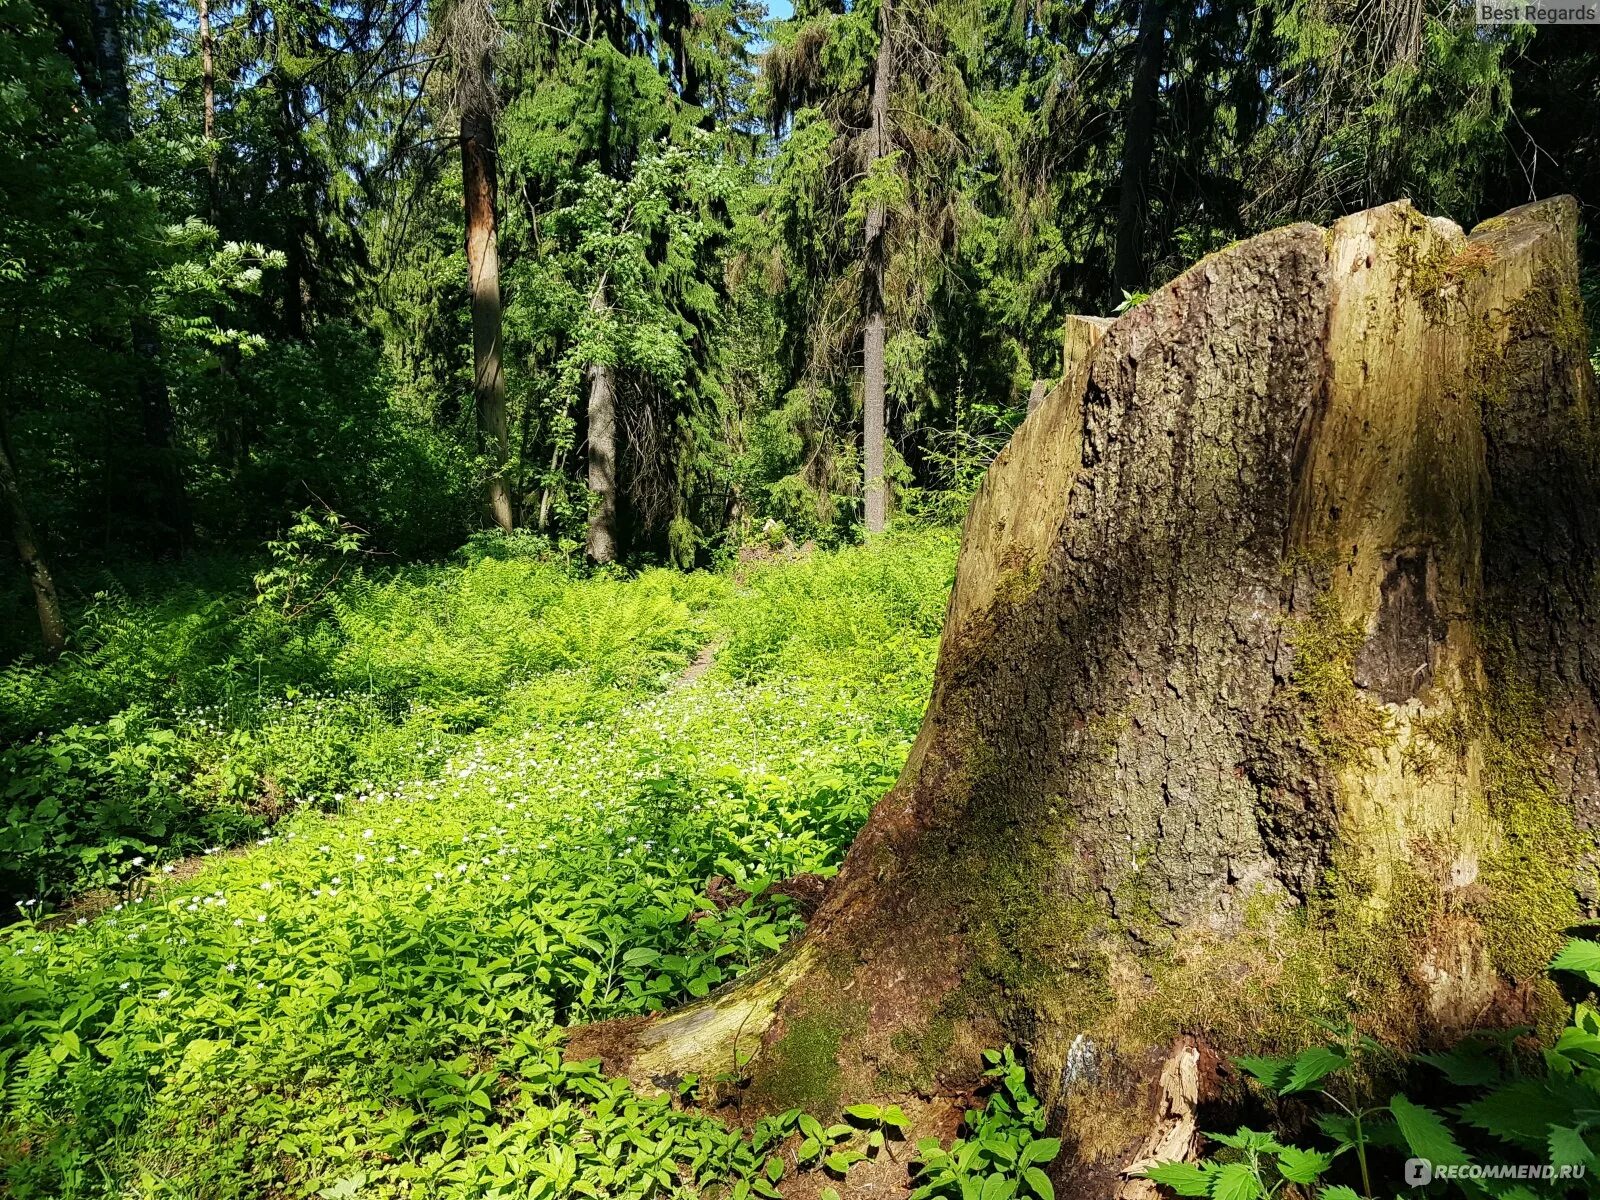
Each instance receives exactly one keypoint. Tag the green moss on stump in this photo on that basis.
(805, 1058)
(1341, 723)
(1529, 878)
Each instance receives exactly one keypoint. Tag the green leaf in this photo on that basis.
(841, 1161)
(1040, 1150)
(1580, 955)
(1465, 1066)
(1245, 1138)
(1039, 1183)
(1236, 1181)
(1270, 1071)
(1568, 1149)
(1579, 1045)
(1338, 1192)
(864, 1112)
(997, 1187)
(1302, 1166)
(1425, 1132)
(1525, 1111)
(347, 1188)
(1185, 1179)
(1310, 1066)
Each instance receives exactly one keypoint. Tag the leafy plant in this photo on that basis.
(1515, 1114)
(307, 560)
(503, 810)
(1003, 1154)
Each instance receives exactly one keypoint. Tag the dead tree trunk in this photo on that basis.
(1267, 696)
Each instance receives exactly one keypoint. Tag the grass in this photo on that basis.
(502, 810)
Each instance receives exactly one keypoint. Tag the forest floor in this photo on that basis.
(368, 1001)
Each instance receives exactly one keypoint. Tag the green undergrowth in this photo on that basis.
(367, 1000)
(194, 712)
(1496, 1119)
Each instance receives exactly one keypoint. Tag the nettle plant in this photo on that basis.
(1002, 1155)
(1516, 1112)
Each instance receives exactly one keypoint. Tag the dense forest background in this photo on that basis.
(648, 280)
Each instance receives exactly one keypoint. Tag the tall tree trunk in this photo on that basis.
(483, 272)
(602, 452)
(1266, 698)
(1138, 146)
(208, 99)
(557, 456)
(169, 513)
(296, 265)
(873, 406)
(52, 628)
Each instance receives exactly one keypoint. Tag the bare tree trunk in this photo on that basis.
(52, 628)
(1138, 146)
(873, 384)
(208, 91)
(602, 453)
(483, 270)
(1265, 700)
(557, 455)
(297, 265)
(170, 508)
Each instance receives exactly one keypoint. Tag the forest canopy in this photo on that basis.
(649, 280)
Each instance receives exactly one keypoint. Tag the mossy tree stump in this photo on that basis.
(1267, 697)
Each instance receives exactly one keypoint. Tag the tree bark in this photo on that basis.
(208, 97)
(1266, 699)
(52, 627)
(483, 271)
(1138, 147)
(873, 383)
(169, 510)
(602, 547)
(208, 107)
(297, 259)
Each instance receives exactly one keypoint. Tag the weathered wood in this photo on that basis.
(1266, 698)
(1080, 336)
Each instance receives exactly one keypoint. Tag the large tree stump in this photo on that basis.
(1266, 697)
